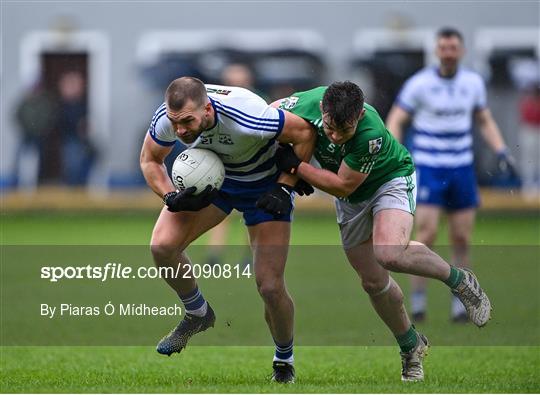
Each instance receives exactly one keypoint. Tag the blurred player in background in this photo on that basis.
(243, 130)
(235, 74)
(529, 137)
(373, 178)
(441, 102)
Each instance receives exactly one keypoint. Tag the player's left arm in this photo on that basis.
(489, 129)
(493, 136)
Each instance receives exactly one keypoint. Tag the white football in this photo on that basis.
(197, 167)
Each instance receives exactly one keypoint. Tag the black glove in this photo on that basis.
(286, 159)
(187, 201)
(506, 162)
(303, 188)
(278, 201)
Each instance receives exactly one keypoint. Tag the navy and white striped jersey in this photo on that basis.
(244, 136)
(442, 110)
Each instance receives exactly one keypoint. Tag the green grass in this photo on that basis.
(358, 356)
(136, 228)
(246, 369)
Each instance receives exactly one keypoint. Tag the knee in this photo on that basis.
(374, 287)
(389, 257)
(163, 249)
(426, 234)
(389, 288)
(271, 290)
(460, 240)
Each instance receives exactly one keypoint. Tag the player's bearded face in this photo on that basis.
(190, 121)
(449, 51)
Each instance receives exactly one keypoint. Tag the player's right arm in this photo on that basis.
(153, 167)
(395, 121)
(155, 173)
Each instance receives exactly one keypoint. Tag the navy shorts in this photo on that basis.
(242, 196)
(452, 189)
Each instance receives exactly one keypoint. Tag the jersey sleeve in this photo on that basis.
(364, 156)
(480, 100)
(271, 123)
(409, 96)
(160, 128)
(305, 104)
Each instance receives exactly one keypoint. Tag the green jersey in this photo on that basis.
(371, 150)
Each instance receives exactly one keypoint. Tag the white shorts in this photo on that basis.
(356, 219)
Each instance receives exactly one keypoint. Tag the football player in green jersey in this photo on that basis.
(372, 177)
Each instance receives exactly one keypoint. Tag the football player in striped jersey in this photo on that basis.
(441, 102)
(243, 130)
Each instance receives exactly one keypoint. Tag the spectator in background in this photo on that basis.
(235, 74)
(78, 154)
(441, 102)
(37, 116)
(529, 110)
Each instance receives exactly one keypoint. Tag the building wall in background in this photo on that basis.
(132, 103)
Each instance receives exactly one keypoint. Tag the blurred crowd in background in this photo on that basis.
(52, 117)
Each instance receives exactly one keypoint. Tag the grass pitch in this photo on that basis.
(320, 368)
(247, 369)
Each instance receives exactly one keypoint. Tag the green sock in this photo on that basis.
(455, 277)
(408, 340)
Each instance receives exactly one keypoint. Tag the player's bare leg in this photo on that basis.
(385, 294)
(216, 242)
(394, 251)
(172, 233)
(270, 243)
(461, 223)
(426, 225)
(387, 299)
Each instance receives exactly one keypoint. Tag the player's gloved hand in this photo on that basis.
(187, 201)
(506, 162)
(278, 201)
(303, 188)
(286, 159)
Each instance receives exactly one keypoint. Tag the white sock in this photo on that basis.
(418, 302)
(200, 312)
(290, 360)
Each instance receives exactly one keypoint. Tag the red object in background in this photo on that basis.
(529, 109)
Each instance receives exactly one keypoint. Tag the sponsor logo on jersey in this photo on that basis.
(450, 112)
(375, 145)
(289, 102)
(225, 139)
(218, 91)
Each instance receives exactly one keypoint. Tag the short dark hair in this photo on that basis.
(343, 102)
(183, 89)
(447, 32)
